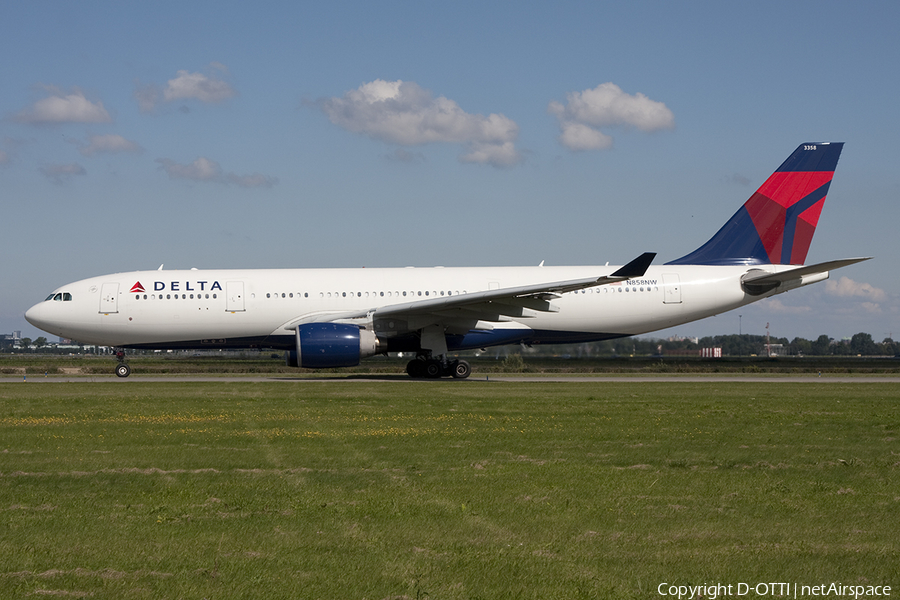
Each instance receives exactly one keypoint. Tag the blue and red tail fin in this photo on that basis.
(776, 225)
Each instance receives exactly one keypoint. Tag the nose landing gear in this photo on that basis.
(122, 369)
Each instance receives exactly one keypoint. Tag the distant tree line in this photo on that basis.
(861, 344)
(24, 344)
(732, 345)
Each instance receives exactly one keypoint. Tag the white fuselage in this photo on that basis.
(247, 308)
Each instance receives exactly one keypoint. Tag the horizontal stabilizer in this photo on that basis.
(759, 282)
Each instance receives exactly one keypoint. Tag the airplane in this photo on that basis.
(327, 318)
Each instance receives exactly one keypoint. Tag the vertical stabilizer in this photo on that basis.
(776, 225)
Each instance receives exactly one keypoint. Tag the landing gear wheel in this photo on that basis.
(416, 368)
(461, 369)
(433, 369)
(123, 370)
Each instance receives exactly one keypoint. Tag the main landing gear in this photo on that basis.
(122, 369)
(434, 368)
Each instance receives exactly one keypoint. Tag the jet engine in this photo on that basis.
(329, 345)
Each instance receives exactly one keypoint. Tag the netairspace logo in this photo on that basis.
(772, 590)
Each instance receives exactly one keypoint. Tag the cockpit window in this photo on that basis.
(59, 297)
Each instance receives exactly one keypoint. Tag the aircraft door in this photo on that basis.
(109, 298)
(671, 288)
(234, 296)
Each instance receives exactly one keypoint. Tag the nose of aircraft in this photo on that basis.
(35, 316)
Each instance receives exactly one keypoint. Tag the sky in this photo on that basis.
(347, 134)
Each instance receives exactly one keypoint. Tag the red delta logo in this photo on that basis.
(137, 288)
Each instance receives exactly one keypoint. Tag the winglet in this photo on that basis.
(635, 268)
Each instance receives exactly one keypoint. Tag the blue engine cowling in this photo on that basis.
(330, 345)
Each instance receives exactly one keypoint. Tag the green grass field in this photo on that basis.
(443, 489)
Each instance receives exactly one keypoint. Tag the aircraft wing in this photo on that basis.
(535, 297)
(489, 305)
(759, 281)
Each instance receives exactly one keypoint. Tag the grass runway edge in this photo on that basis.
(385, 490)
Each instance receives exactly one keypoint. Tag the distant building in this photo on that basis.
(701, 352)
(10, 340)
(775, 349)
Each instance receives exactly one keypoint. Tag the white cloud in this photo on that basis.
(109, 143)
(4, 158)
(60, 174)
(777, 305)
(204, 169)
(201, 169)
(847, 288)
(64, 108)
(606, 106)
(185, 86)
(197, 86)
(579, 137)
(499, 155)
(219, 67)
(871, 307)
(401, 112)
